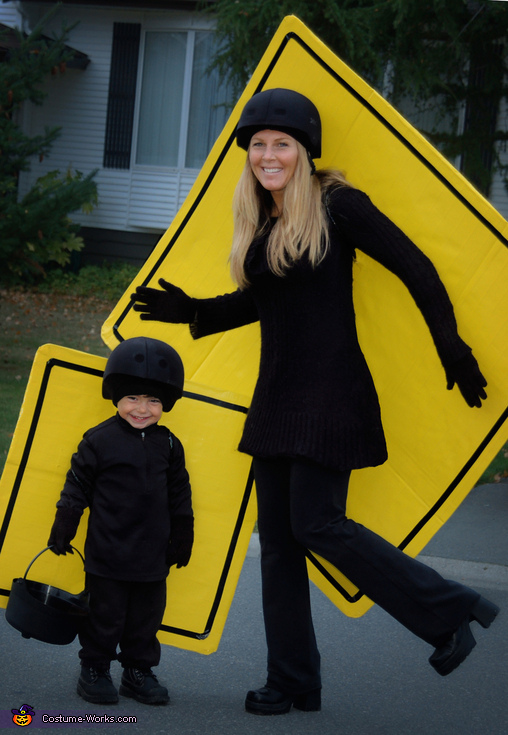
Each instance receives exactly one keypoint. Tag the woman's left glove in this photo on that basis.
(181, 540)
(470, 381)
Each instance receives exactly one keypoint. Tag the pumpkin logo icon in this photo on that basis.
(23, 716)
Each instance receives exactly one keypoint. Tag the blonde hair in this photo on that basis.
(301, 227)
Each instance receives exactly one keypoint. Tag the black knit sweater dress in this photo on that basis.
(314, 396)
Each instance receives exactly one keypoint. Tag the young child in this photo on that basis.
(131, 473)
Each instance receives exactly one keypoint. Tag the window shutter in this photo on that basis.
(122, 94)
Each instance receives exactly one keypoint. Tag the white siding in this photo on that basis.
(134, 199)
(9, 15)
(153, 195)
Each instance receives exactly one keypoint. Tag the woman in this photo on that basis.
(315, 415)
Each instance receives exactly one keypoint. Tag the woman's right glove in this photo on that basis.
(470, 381)
(169, 305)
(64, 529)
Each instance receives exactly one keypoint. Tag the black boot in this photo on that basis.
(268, 701)
(142, 685)
(446, 658)
(95, 685)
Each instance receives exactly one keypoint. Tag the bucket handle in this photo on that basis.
(46, 549)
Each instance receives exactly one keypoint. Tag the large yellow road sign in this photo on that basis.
(437, 446)
(63, 399)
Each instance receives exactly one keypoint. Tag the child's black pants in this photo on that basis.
(125, 615)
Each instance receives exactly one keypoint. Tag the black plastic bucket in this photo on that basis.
(44, 612)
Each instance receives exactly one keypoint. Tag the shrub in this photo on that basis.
(35, 230)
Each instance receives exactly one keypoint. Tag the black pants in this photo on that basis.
(302, 505)
(123, 614)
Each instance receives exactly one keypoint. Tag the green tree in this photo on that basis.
(445, 55)
(35, 230)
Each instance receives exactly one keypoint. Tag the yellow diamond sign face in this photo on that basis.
(63, 396)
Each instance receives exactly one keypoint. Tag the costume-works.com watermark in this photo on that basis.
(87, 719)
(26, 716)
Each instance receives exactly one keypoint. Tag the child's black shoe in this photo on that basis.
(95, 685)
(142, 685)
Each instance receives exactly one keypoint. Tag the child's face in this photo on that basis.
(140, 411)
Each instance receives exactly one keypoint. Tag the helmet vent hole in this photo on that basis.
(139, 357)
(163, 363)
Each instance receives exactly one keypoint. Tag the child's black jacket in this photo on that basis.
(134, 482)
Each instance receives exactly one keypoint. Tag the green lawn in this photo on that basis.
(28, 320)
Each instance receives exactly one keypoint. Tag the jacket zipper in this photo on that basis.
(147, 481)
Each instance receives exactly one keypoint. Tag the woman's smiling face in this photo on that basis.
(273, 156)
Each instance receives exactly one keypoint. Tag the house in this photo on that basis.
(142, 110)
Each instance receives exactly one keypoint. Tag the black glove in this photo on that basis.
(181, 540)
(170, 305)
(63, 530)
(471, 383)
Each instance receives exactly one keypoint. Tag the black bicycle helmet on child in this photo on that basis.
(285, 110)
(144, 366)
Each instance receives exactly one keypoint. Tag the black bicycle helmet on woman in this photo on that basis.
(284, 110)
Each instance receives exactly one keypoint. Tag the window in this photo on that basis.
(182, 108)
